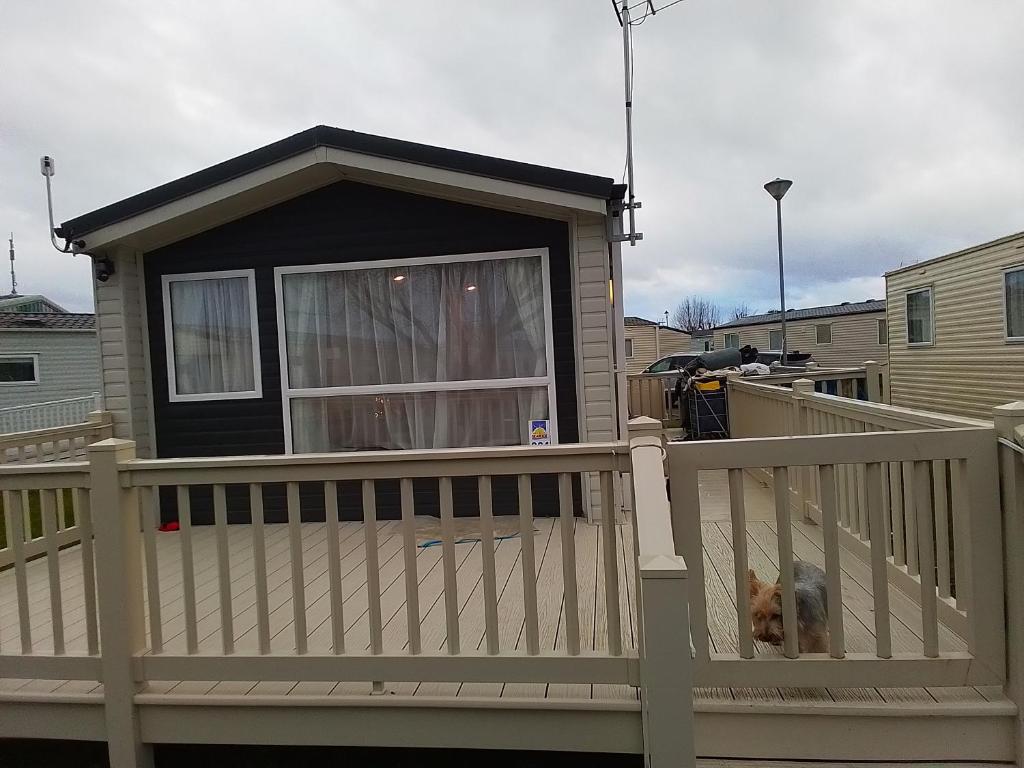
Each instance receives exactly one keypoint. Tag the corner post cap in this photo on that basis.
(1009, 421)
(802, 387)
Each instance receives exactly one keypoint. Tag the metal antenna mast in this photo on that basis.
(14, 282)
(631, 203)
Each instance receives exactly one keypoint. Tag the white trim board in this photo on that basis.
(288, 393)
(172, 389)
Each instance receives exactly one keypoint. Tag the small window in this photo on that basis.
(1014, 284)
(629, 347)
(823, 333)
(732, 341)
(919, 316)
(775, 341)
(19, 369)
(211, 336)
(883, 333)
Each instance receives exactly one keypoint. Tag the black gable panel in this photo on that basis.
(344, 222)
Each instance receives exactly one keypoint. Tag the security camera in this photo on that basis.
(46, 166)
(103, 268)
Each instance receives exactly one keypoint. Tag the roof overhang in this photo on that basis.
(216, 196)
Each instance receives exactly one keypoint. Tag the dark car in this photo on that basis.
(668, 363)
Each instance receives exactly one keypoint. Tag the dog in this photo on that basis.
(811, 608)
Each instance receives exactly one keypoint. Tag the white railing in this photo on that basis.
(969, 457)
(55, 444)
(653, 395)
(55, 413)
(230, 627)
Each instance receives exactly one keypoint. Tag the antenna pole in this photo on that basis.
(631, 203)
(14, 282)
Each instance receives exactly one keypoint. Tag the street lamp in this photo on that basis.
(778, 190)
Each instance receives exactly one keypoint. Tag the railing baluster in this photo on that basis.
(451, 586)
(941, 527)
(879, 564)
(16, 541)
(490, 585)
(48, 513)
(259, 557)
(150, 502)
(298, 570)
(609, 548)
(790, 640)
(739, 545)
(926, 542)
(220, 521)
(961, 542)
(571, 604)
(412, 582)
(187, 569)
(334, 566)
(60, 509)
(528, 563)
(372, 566)
(26, 507)
(910, 517)
(92, 635)
(833, 573)
(688, 543)
(899, 547)
(887, 509)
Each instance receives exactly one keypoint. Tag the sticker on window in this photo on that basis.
(539, 432)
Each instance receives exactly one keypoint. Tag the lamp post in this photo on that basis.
(778, 190)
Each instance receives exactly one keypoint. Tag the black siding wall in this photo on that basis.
(343, 222)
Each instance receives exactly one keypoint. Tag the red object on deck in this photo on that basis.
(171, 526)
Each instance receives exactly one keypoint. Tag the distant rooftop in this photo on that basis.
(631, 321)
(811, 313)
(47, 321)
(34, 302)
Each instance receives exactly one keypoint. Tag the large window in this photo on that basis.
(823, 333)
(1013, 281)
(775, 341)
(919, 316)
(19, 369)
(211, 336)
(732, 341)
(434, 353)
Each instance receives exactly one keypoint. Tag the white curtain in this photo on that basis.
(212, 333)
(1015, 304)
(417, 324)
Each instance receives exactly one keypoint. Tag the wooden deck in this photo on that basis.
(762, 548)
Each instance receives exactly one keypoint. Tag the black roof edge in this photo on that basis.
(353, 141)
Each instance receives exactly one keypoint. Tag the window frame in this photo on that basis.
(628, 343)
(931, 315)
(289, 393)
(882, 325)
(254, 331)
(823, 343)
(34, 356)
(773, 347)
(726, 344)
(1006, 308)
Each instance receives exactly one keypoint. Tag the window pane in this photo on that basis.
(775, 340)
(17, 369)
(919, 317)
(1015, 304)
(732, 340)
(629, 347)
(883, 333)
(420, 323)
(823, 334)
(416, 420)
(212, 333)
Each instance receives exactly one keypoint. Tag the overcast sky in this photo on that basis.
(900, 121)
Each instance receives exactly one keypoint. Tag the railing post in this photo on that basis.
(1009, 422)
(119, 579)
(801, 389)
(641, 426)
(666, 652)
(874, 385)
(102, 426)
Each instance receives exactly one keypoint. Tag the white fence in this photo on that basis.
(55, 413)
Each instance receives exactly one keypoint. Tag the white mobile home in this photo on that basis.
(836, 336)
(957, 329)
(648, 341)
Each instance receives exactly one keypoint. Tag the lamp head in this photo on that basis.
(778, 188)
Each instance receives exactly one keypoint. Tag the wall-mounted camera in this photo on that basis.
(103, 268)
